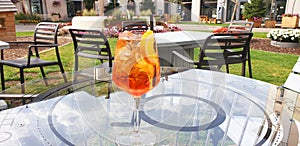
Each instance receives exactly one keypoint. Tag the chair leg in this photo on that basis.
(172, 60)
(63, 72)
(109, 87)
(22, 80)
(227, 68)
(244, 69)
(249, 67)
(2, 77)
(44, 75)
(249, 63)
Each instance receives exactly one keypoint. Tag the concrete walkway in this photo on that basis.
(24, 28)
(30, 27)
(211, 28)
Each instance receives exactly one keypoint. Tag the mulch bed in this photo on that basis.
(21, 50)
(265, 45)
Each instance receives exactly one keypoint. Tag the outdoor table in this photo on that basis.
(188, 107)
(183, 42)
(3, 45)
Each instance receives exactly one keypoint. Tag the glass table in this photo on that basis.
(188, 107)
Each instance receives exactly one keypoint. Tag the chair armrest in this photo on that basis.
(186, 59)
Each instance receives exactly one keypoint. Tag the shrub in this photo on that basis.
(117, 13)
(20, 16)
(52, 14)
(90, 12)
(257, 8)
(146, 12)
(32, 18)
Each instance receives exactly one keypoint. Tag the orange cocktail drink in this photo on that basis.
(136, 68)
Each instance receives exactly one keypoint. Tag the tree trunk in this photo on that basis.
(101, 7)
(234, 10)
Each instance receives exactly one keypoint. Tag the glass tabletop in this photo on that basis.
(188, 107)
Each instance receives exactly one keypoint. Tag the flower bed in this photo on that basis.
(225, 29)
(29, 21)
(221, 30)
(113, 31)
(284, 37)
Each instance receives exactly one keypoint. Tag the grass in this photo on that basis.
(260, 34)
(270, 67)
(21, 34)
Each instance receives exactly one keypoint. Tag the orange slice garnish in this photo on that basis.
(148, 47)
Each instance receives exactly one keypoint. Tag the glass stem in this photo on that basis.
(136, 124)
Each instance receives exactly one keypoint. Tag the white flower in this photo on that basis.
(285, 35)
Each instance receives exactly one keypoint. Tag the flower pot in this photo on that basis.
(270, 23)
(256, 23)
(55, 18)
(285, 44)
(290, 22)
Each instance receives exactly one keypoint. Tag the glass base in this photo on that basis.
(143, 138)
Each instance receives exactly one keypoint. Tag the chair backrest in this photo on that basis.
(240, 26)
(140, 25)
(91, 44)
(293, 80)
(46, 33)
(221, 49)
(296, 68)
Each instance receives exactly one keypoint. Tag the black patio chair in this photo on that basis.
(135, 25)
(45, 36)
(91, 53)
(221, 49)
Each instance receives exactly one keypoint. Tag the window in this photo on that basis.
(36, 6)
(2, 23)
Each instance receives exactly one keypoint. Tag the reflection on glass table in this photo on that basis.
(192, 107)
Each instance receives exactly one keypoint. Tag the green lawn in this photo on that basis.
(266, 66)
(29, 33)
(260, 34)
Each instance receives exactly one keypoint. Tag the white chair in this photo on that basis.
(296, 68)
(292, 82)
(3, 105)
(240, 26)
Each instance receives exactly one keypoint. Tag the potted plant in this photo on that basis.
(254, 11)
(290, 20)
(285, 38)
(270, 23)
(55, 16)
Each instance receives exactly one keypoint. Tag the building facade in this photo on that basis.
(190, 10)
(66, 8)
(223, 9)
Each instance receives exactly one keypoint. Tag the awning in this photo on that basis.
(7, 6)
